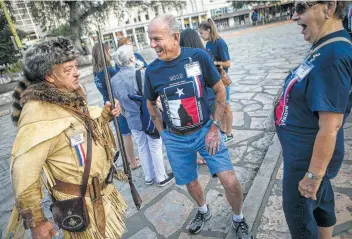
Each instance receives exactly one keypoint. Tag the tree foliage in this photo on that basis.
(73, 17)
(8, 52)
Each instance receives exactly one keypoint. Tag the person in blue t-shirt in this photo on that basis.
(220, 52)
(180, 76)
(255, 17)
(309, 119)
(99, 79)
(190, 38)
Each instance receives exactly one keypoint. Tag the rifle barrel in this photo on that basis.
(126, 166)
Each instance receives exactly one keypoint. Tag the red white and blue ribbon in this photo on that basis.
(281, 110)
(81, 154)
(198, 87)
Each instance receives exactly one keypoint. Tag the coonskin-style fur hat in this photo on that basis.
(38, 62)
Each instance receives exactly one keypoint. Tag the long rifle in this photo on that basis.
(126, 165)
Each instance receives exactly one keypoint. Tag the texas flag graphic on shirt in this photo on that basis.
(182, 101)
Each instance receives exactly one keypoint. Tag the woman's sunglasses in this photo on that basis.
(302, 7)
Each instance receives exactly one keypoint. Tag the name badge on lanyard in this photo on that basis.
(303, 70)
(77, 139)
(193, 69)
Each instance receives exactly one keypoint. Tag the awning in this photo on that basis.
(233, 14)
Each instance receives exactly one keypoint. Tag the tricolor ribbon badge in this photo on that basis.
(81, 154)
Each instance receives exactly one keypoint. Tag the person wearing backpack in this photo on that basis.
(127, 87)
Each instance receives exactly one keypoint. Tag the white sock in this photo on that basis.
(203, 209)
(237, 218)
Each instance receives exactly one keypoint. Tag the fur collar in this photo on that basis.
(48, 93)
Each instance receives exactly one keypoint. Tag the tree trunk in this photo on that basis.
(75, 26)
(76, 36)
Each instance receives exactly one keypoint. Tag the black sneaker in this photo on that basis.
(198, 222)
(228, 138)
(167, 180)
(149, 182)
(242, 229)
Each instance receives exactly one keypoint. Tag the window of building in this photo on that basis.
(139, 18)
(25, 16)
(146, 17)
(128, 21)
(156, 10)
(27, 22)
(135, 19)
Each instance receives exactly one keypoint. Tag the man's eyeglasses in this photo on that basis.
(302, 7)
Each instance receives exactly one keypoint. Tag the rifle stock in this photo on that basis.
(126, 165)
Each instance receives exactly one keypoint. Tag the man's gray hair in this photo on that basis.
(170, 22)
(123, 55)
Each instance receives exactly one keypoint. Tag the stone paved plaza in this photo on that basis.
(261, 58)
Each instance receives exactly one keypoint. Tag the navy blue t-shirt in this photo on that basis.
(326, 88)
(219, 50)
(99, 79)
(184, 99)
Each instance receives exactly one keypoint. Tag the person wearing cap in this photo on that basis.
(52, 117)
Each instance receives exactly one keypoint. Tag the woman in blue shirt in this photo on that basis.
(190, 38)
(309, 119)
(219, 50)
(99, 79)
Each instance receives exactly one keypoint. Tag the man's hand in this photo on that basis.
(212, 139)
(46, 230)
(309, 187)
(116, 111)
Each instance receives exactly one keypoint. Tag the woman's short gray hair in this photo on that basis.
(123, 55)
(341, 9)
(170, 22)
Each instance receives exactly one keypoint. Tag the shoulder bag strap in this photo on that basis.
(139, 81)
(88, 164)
(335, 39)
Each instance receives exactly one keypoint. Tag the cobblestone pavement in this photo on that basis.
(261, 58)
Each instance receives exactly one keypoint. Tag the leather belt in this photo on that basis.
(74, 189)
(185, 133)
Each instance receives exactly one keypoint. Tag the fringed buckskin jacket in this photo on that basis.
(43, 148)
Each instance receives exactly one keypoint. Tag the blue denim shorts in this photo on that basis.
(125, 130)
(182, 153)
(303, 215)
(228, 94)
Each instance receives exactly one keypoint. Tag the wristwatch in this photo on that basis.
(217, 123)
(313, 177)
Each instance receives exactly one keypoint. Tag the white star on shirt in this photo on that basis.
(179, 92)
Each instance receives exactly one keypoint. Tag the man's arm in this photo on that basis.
(212, 139)
(155, 115)
(220, 100)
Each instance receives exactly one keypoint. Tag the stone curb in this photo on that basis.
(256, 194)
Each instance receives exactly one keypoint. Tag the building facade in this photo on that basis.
(25, 22)
(135, 25)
